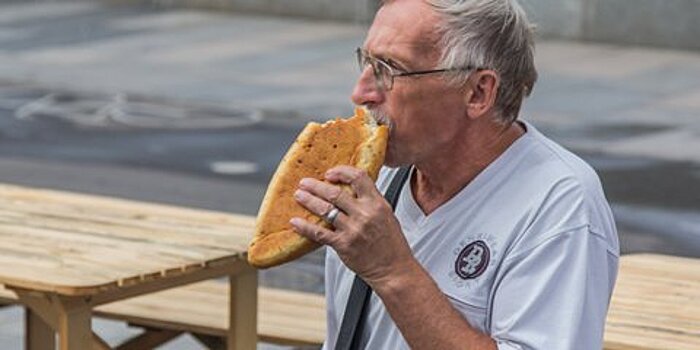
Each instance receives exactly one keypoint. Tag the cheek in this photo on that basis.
(423, 113)
(430, 131)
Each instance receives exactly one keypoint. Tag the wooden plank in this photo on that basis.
(279, 311)
(41, 306)
(285, 317)
(7, 296)
(150, 339)
(19, 194)
(80, 244)
(38, 335)
(655, 305)
(59, 218)
(211, 343)
(40, 249)
(75, 329)
(242, 333)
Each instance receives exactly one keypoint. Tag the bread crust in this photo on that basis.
(357, 141)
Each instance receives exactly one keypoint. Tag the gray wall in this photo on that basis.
(671, 23)
(344, 10)
(665, 23)
(662, 23)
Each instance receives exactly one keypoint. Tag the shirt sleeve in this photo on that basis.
(556, 294)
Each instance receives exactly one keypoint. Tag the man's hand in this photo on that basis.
(368, 239)
(367, 235)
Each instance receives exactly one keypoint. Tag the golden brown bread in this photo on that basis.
(357, 141)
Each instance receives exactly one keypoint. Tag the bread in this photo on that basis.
(358, 141)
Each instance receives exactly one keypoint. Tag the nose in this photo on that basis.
(366, 92)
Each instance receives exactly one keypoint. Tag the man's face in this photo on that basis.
(423, 111)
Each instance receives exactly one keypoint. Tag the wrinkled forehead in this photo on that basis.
(408, 26)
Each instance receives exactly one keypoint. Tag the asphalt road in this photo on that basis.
(222, 161)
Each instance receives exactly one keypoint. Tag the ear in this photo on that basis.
(480, 96)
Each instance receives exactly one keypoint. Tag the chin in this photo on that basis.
(392, 161)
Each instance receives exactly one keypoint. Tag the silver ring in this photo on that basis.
(331, 215)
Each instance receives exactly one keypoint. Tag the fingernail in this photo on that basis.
(304, 182)
(295, 222)
(298, 194)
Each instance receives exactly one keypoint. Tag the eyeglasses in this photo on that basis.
(384, 73)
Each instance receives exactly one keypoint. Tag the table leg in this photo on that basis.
(75, 329)
(243, 311)
(69, 316)
(38, 334)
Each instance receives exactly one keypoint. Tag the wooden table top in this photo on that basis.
(76, 244)
(655, 305)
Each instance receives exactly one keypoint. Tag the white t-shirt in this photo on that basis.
(527, 252)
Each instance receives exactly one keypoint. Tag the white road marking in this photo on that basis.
(233, 167)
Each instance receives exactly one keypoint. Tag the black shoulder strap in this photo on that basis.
(392, 193)
(355, 310)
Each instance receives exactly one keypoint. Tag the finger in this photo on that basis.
(358, 179)
(313, 232)
(319, 207)
(314, 204)
(333, 194)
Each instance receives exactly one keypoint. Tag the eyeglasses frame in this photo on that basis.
(364, 58)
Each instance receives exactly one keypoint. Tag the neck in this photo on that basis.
(442, 176)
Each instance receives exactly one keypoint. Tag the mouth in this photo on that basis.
(379, 117)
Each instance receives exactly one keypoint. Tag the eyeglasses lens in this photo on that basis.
(382, 73)
(361, 62)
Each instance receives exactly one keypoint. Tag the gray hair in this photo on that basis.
(491, 34)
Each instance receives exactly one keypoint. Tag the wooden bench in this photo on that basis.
(656, 305)
(284, 317)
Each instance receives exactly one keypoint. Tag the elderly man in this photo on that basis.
(501, 239)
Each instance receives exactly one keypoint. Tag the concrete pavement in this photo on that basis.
(240, 60)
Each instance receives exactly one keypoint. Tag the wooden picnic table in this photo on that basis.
(63, 254)
(655, 304)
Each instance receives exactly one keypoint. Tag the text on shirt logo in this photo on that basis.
(472, 260)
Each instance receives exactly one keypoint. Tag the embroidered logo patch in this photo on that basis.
(473, 260)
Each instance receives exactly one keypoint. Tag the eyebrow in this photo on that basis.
(417, 49)
(395, 60)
